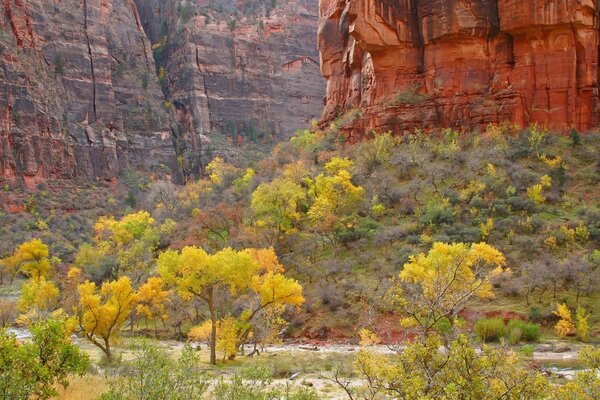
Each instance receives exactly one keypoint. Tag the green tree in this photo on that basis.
(34, 369)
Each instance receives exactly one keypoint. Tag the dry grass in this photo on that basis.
(87, 387)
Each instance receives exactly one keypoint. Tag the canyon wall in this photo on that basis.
(89, 88)
(79, 96)
(248, 70)
(460, 63)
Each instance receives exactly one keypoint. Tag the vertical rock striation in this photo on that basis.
(460, 63)
(89, 88)
(246, 69)
(78, 92)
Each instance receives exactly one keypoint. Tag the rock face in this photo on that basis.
(78, 93)
(460, 63)
(246, 69)
(89, 88)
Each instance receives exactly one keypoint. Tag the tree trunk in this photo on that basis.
(107, 351)
(213, 328)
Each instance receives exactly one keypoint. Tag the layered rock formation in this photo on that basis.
(246, 69)
(460, 63)
(78, 92)
(81, 94)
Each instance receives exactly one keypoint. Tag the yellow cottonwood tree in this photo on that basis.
(39, 298)
(438, 284)
(133, 239)
(32, 259)
(197, 274)
(277, 205)
(152, 299)
(102, 312)
(333, 192)
(565, 325)
(254, 273)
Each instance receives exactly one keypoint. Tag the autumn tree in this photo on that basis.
(277, 205)
(39, 298)
(271, 293)
(102, 312)
(133, 240)
(335, 198)
(152, 301)
(195, 273)
(441, 364)
(31, 258)
(438, 285)
(254, 276)
(422, 372)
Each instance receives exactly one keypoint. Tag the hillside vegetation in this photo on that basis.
(443, 239)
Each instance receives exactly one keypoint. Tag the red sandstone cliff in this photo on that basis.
(78, 93)
(460, 63)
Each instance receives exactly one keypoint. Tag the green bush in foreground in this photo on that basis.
(516, 331)
(36, 367)
(490, 330)
(525, 331)
(154, 375)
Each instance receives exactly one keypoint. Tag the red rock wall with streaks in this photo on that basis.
(460, 63)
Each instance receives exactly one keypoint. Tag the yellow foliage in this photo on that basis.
(39, 297)
(535, 194)
(227, 337)
(267, 259)
(445, 261)
(546, 182)
(551, 162)
(565, 325)
(444, 279)
(201, 333)
(275, 289)
(583, 235)
(334, 193)
(473, 188)
(368, 338)
(277, 204)
(74, 274)
(110, 232)
(152, 299)
(551, 242)
(31, 258)
(569, 234)
(102, 312)
(486, 228)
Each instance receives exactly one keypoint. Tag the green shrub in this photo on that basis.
(528, 332)
(527, 350)
(490, 329)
